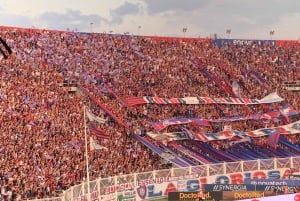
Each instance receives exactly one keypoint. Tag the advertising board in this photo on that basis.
(288, 197)
(247, 187)
(148, 189)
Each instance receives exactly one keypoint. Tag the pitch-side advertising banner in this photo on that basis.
(160, 187)
(246, 187)
(148, 189)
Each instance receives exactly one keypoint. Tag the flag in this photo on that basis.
(93, 117)
(287, 111)
(93, 125)
(95, 146)
(189, 134)
(285, 116)
(271, 98)
(258, 78)
(201, 122)
(239, 139)
(273, 138)
(236, 89)
(97, 132)
(177, 121)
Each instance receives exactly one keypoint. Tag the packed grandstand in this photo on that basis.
(151, 103)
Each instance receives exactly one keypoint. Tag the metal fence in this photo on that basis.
(110, 188)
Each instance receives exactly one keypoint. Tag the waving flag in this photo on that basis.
(177, 121)
(273, 138)
(93, 117)
(258, 78)
(236, 89)
(97, 132)
(95, 146)
(286, 111)
(272, 133)
(239, 139)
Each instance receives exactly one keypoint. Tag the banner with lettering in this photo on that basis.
(155, 188)
(220, 41)
(271, 98)
(292, 128)
(285, 111)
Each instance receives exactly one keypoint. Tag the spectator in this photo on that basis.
(42, 126)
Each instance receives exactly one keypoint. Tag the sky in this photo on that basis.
(246, 19)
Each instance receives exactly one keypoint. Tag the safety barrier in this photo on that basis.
(132, 186)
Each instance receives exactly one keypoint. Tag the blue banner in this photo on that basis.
(220, 42)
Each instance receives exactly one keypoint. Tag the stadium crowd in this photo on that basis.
(42, 148)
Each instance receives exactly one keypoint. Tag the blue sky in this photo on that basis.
(251, 19)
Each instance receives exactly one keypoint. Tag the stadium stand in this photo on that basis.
(146, 94)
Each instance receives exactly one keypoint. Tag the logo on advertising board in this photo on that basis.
(142, 191)
(246, 187)
(228, 187)
(158, 190)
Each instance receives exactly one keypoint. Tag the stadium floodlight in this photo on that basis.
(4, 49)
(138, 29)
(228, 32)
(184, 30)
(91, 27)
(272, 32)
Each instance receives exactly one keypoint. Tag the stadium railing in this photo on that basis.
(109, 188)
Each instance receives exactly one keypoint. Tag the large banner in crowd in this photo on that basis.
(271, 98)
(285, 111)
(243, 42)
(291, 128)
